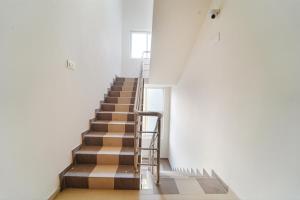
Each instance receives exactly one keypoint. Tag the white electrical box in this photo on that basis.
(70, 64)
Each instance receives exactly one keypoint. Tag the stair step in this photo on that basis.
(121, 94)
(105, 155)
(102, 177)
(126, 79)
(205, 174)
(109, 139)
(105, 159)
(115, 116)
(119, 100)
(113, 126)
(117, 107)
(125, 83)
(122, 88)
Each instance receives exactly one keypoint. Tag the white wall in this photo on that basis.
(152, 103)
(236, 108)
(166, 123)
(137, 16)
(44, 106)
(175, 27)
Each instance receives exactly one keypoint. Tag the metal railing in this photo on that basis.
(146, 59)
(154, 148)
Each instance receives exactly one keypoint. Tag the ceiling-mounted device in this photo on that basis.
(213, 13)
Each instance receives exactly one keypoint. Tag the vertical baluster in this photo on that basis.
(158, 149)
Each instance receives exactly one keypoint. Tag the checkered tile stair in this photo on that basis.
(106, 157)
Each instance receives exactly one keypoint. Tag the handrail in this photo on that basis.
(145, 65)
(149, 113)
(138, 133)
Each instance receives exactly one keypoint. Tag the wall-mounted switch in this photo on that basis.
(215, 38)
(70, 64)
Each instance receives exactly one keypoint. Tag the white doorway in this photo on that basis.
(157, 99)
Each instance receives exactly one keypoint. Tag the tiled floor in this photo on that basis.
(85, 194)
(170, 188)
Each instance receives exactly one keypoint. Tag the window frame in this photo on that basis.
(147, 32)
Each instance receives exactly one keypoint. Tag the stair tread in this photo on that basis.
(110, 150)
(120, 97)
(127, 83)
(123, 88)
(125, 77)
(123, 104)
(126, 91)
(112, 122)
(123, 91)
(128, 80)
(114, 112)
(109, 134)
(102, 171)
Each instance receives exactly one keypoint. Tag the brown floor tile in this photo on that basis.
(166, 186)
(211, 186)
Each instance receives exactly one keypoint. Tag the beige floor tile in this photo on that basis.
(126, 94)
(114, 134)
(188, 186)
(85, 194)
(104, 171)
(110, 150)
(128, 84)
(127, 88)
(106, 159)
(122, 108)
(119, 117)
(124, 100)
(112, 141)
(89, 149)
(101, 183)
(109, 155)
(116, 128)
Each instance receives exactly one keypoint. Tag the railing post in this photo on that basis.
(135, 143)
(158, 149)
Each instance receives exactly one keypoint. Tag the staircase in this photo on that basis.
(211, 184)
(105, 159)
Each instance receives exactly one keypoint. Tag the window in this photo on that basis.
(140, 42)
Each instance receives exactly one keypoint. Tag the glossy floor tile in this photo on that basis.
(88, 194)
(172, 187)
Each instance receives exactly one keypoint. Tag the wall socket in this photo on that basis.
(215, 38)
(70, 64)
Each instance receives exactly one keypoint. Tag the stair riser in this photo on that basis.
(104, 159)
(126, 79)
(117, 108)
(102, 183)
(121, 100)
(115, 116)
(123, 128)
(121, 94)
(108, 141)
(126, 84)
(120, 88)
